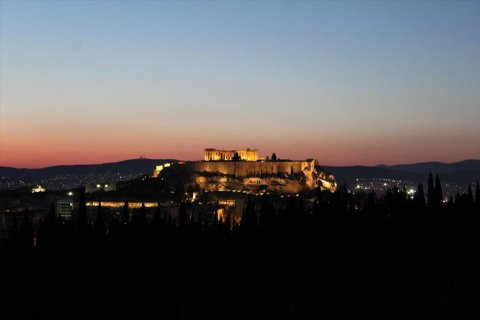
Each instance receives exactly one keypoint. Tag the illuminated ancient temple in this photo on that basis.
(225, 155)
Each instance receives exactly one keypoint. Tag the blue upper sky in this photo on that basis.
(346, 82)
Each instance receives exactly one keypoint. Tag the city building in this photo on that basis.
(38, 188)
(63, 208)
(159, 169)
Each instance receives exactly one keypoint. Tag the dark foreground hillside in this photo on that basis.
(347, 257)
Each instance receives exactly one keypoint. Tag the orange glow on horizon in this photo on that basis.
(45, 149)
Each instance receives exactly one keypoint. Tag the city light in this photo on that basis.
(38, 189)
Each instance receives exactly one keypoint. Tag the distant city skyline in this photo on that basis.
(347, 83)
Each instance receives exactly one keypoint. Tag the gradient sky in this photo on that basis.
(343, 82)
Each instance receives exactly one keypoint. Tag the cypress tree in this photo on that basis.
(82, 209)
(157, 216)
(457, 198)
(341, 199)
(125, 214)
(430, 191)
(470, 195)
(51, 216)
(26, 231)
(47, 228)
(228, 222)
(419, 198)
(13, 231)
(477, 195)
(114, 228)
(142, 216)
(450, 202)
(351, 205)
(438, 191)
(249, 217)
(267, 212)
(100, 222)
(182, 216)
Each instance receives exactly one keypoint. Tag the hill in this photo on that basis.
(462, 172)
(458, 172)
(127, 167)
(440, 167)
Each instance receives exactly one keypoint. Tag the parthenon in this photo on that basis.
(225, 155)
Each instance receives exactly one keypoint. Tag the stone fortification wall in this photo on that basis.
(275, 176)
(250, 168)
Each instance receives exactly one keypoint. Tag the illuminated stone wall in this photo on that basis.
(275, 176)
(252, 169)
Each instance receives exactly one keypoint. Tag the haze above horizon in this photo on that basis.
(347, 83)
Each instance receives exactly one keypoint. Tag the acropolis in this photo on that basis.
(221, 170)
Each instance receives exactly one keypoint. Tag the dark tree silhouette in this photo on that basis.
(82, 221)
(249, 217)
(315, 255)
(419, 198)
(26, 231)
(236, 157)
(431, 194)
(438, 191)
(268, 213)
(274, 157)
(477, 195)
(99, 227)
(470, 195)
(125, 214)
(51, 217)
(142, 215)
(182, 216)
(157, 219)
(47, 229)
(13, 236)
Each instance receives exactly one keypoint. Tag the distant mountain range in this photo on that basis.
(459, 172)
(462, 172)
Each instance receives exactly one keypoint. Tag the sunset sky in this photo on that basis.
(344, 82)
